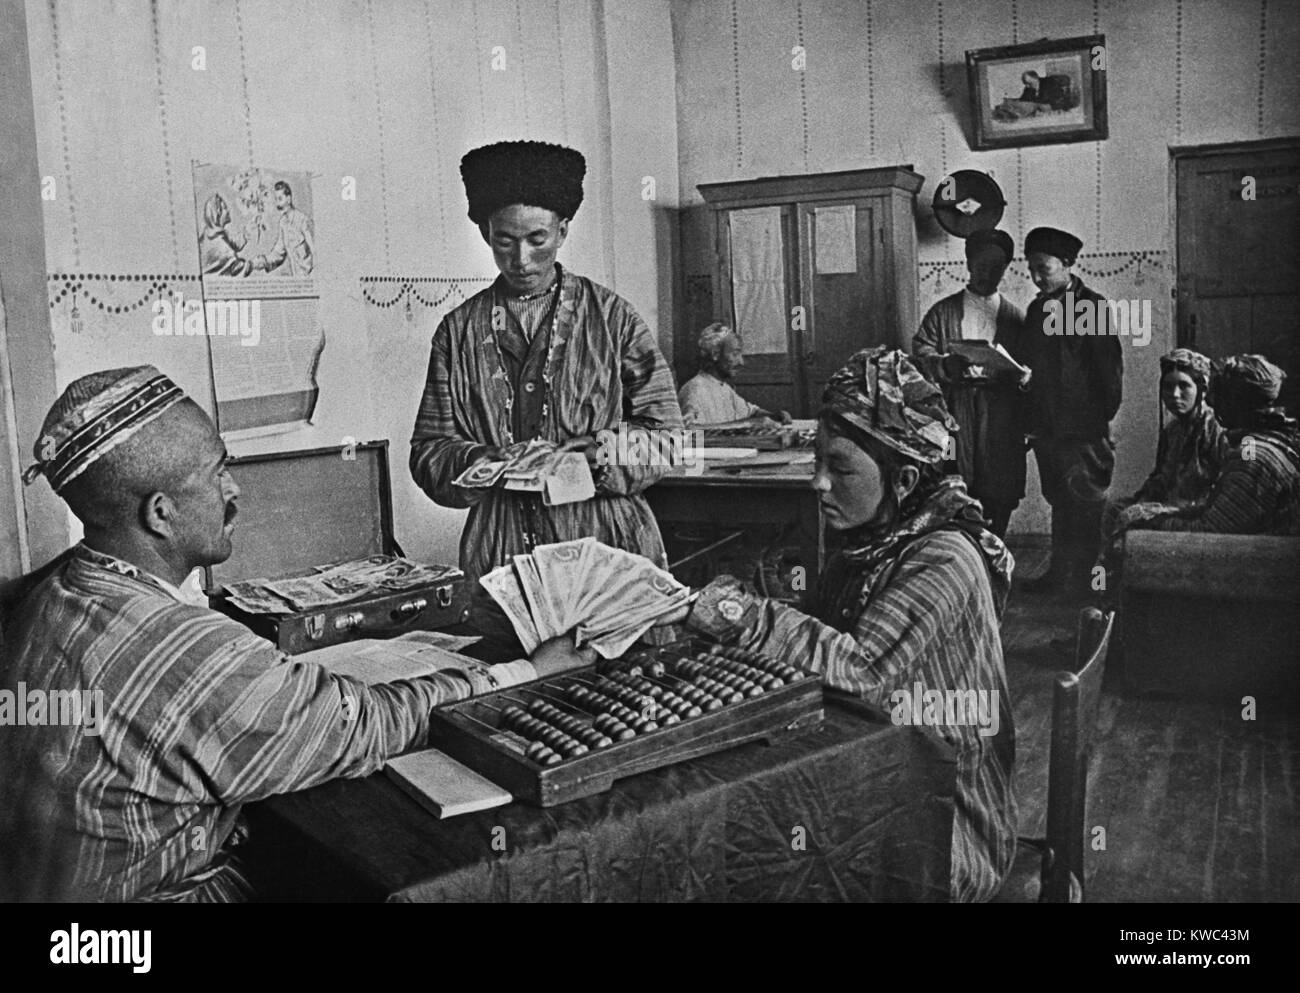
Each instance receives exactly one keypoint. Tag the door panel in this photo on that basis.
(1239, 259)
(844, 309)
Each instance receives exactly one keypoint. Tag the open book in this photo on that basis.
(987, 361)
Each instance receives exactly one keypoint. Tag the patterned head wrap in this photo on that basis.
(882, 393)
(96, 414)
(709, 345)
(1254, 378)
(1192, 363)
(528, 172)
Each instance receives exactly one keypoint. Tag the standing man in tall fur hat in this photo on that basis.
(541, 353)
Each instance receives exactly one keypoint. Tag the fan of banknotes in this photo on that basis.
(609, 597)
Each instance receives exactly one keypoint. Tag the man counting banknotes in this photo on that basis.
(542, 356)
(136, 724)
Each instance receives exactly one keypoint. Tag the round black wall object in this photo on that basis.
(968, 201)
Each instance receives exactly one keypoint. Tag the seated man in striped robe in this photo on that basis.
(147, 721)
(907, 612)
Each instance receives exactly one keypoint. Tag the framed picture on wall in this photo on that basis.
(1038, 94)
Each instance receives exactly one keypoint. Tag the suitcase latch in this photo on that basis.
(411, 607)
(443, 595)
(315, 625)
(346, 622)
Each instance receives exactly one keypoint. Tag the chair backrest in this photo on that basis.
(1075, 701)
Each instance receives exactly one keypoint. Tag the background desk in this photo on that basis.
(774, 504)
(874, 802)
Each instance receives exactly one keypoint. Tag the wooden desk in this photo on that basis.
(857, 810)
(770, 499)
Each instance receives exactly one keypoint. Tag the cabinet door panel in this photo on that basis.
(757, 248)
(844, 309)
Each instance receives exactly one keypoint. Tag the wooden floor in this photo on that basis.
(1198, 805)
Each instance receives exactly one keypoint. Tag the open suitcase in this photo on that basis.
(299, 510)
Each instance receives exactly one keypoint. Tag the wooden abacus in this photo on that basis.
(574, 735)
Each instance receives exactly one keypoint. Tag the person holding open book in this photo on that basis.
(956, 348)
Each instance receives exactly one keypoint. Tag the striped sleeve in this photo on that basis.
(649, 400)
(438, 452)
(1243, 501)
(904, 622)
(257, 723)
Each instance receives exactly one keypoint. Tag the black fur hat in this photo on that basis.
(529, 172)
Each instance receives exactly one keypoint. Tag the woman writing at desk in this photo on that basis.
(911, 604)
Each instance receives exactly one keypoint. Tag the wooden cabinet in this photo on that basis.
(809, 269)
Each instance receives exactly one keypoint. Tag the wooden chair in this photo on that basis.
(1051, 869)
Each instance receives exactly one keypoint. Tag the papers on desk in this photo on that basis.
(443, 786)
(728, 454)
(372, 661)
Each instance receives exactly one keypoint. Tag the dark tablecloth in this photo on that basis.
(856, 810)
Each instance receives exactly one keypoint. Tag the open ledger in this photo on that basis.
(443, 786)
(987, 361)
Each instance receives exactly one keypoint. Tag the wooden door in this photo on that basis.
(1239, 257)
(841, 282)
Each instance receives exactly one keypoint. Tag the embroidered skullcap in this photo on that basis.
(94, 415)
(1053, 241)
(882, 393)
(529, 172)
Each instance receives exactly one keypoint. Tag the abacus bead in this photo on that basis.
(624, 734)
(755, 690)
(714, 704)
(668, 720)
(552, 759)
(693, 712)
(534, 750)
(578, 749)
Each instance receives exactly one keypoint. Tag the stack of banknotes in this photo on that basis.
(537, 466)
(336, 583)
(607, 596)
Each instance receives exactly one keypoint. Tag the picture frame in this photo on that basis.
(1041, 93)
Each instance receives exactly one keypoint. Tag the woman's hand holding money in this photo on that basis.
(559, 655)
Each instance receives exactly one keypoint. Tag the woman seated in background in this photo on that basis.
(1258, 491)
(1192, 450)
(910, 605)
(708, 399)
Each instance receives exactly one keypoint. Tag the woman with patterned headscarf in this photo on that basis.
(911, 605)
(1192, 450)
(1258, 491)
